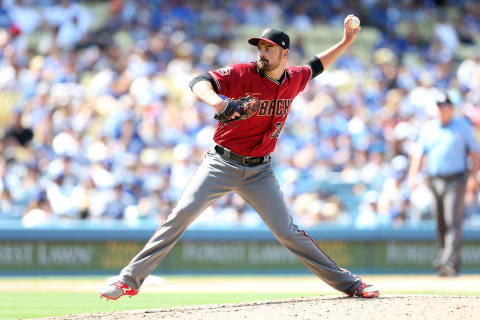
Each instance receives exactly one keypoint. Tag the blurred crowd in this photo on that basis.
(105, 126)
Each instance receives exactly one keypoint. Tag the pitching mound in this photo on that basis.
(327, 307)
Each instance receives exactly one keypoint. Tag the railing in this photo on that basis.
(118, 230)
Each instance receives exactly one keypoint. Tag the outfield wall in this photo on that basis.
(101, 248)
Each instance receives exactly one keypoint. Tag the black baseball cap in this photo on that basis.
(273, 36)
(444, 100)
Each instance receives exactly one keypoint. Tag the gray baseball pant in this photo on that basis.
(448, 207)
(258, 186)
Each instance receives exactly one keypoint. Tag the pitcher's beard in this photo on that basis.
(265, 66)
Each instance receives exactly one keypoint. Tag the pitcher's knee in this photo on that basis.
(286, 236)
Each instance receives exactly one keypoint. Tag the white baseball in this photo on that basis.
(354, 23)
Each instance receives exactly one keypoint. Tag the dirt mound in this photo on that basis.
(326, 307)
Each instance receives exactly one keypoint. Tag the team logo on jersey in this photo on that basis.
(225, 71)
(274, 107)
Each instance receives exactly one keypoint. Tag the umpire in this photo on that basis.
(448, 144)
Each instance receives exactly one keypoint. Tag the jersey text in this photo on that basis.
(274, 107)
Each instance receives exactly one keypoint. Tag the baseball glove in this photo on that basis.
(245, 106)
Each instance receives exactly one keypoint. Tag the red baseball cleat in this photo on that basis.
(364, 291)
(116, 290)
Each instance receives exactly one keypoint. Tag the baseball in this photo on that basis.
(354, 23)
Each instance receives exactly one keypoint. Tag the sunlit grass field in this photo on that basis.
(26, 305)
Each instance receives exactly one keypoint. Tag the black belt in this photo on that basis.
(247, 161)
(450, 176)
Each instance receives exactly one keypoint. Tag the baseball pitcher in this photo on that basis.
(259, 95)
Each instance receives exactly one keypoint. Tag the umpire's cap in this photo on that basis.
(444, 100)
(272, 36)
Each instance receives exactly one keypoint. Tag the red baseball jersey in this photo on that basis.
(258, 135)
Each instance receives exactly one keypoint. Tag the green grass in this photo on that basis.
(26, 305)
